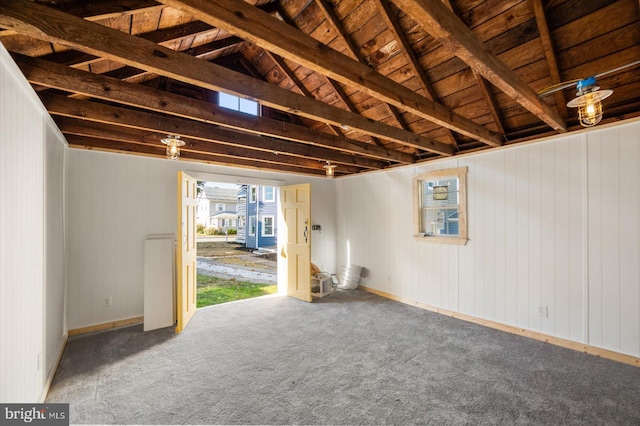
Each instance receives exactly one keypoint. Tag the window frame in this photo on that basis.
(253, 194)
(461, 174)
(264, 194)
(252, 229)
(238, 104)
(264, 226)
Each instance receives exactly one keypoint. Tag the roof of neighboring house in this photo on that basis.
(221, 195)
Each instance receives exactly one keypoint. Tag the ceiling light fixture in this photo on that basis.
(330, 169)
(589, 101)
(173, 144)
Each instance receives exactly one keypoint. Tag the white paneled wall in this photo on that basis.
(614, 238)
(32, 329)
(553, 223)
(114, 201)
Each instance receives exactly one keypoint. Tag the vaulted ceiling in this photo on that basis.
(363, 84)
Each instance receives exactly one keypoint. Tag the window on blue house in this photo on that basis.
(235, 103)
(268, 194)
(267, 226)
(253, 194)
(440, 206)
(252, 226)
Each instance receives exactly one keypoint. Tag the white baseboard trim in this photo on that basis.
(569, 344)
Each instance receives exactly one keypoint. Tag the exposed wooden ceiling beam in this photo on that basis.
(485, 90)
(48, 24)
(412, 60)
(135, 75)
(355, 54)
(447, 28)
(103, 9)
(149, 150)
(64, 78)
(252, 24)
(118, 116)
(282, 66)
(72, 126)
(549, 52)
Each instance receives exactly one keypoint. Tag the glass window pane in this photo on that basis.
(228, 101)
(440, 199)
(268, 225)
(248, 107)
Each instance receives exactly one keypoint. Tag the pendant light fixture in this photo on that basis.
(173, 144)
(330, 169)
(589, 101)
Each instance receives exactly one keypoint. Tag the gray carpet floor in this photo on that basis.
(349, 358)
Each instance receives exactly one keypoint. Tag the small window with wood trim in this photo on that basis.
(440, 206)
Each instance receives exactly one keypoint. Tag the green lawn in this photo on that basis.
(213, 290)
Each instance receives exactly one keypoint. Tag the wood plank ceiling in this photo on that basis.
(363, 84)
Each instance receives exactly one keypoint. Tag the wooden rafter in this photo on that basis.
(60, 77)
(134, 75)
(445, 26)
(485, 90)
(104, 9)
(271, 34)
(355, 54)
(347, 102)
(36, 21)
(146, 149)
(200, 136)
(414, 64)
(282, 66)
(549, 52)
(74, 126)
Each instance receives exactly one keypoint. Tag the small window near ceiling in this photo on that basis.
(235, 103)
(219, 207)
(269, 194)
(253, 194)
(267, 229)
(440, 214)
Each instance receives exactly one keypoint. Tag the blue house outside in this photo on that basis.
(261, 216)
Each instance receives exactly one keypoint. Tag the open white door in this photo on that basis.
(295, 202)
(186, 252)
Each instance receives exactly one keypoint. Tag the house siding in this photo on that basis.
(241, 209)
(259, 210)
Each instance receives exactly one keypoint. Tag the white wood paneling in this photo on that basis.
(32, 329)
(55, 258)
(614, 212)
(629, 239)
(552, 224)
(594, 231)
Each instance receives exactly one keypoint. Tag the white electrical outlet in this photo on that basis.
(543, 311)
(106, 302)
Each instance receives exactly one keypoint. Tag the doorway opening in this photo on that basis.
(236, 241)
